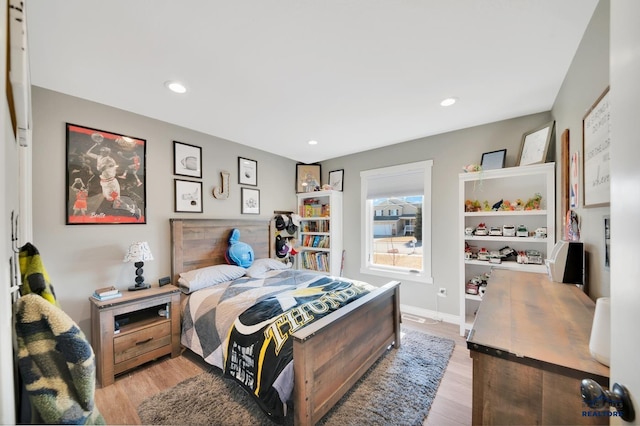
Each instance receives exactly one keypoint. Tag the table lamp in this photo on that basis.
(138, 253)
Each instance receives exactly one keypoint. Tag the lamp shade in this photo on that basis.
(138, 252)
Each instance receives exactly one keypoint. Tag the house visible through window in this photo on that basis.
(396, 225)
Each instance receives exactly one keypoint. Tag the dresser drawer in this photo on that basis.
(131, 345)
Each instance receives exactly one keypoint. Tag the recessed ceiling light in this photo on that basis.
(448, 102)
(313, 142)
(175, 86)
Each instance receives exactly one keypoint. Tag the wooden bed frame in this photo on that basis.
(330, 354)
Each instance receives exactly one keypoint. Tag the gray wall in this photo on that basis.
(449, 152)
(81, 258)
(586, 79)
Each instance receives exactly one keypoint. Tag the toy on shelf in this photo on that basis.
(530, 257)
(541, 232)
(477, 285)
(495, 231)
(534, 203)
(470, 168)
(522, 231)
(483, 254)
(508, 231)
(472, 206)
(481, 230)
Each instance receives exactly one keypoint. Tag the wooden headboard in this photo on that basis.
(196, 243)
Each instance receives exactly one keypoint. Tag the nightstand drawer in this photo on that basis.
(131, 345)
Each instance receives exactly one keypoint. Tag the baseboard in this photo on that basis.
(426, 313)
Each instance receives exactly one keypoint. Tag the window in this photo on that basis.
(398, 245)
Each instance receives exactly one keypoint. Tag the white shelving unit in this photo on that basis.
(507, 184)
(320, 232)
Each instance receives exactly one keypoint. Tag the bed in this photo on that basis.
(352, 338)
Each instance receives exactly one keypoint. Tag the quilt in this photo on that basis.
(244, 326)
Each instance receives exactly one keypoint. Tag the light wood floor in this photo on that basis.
(452, 405)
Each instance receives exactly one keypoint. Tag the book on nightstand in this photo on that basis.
(106, 291)
(107, 297)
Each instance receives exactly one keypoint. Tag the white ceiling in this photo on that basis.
(274, 74)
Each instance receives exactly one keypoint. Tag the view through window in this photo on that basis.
(397, 232)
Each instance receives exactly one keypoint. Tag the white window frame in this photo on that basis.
(366, 230)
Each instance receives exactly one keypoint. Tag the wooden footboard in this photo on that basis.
(331, 354)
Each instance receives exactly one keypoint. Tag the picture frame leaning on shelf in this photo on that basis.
(494, 159)
(535, 144)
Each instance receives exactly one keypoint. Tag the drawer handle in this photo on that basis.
(144, 341)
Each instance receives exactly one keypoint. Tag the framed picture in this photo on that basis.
(565, 172)
(307, 177)
(250, 201)
(247, 172)
(535, 145)
(574, 180)
(188, 196)
(607, 242)
(105, 177)
(494, 159)
(187, 160)
(336, 179)
(596, 140)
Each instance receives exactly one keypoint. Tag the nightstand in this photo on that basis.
(148, 327)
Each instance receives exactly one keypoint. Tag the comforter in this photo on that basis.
(244, 326)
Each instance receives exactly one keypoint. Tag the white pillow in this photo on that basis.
(261, 266)
(197, 279)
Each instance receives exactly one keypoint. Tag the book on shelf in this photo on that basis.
(106, 291)
(108, 297)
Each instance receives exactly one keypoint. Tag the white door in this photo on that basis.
(625, 197)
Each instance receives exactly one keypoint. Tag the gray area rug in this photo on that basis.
(397, 390)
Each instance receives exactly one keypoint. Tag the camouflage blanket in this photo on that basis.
(243, 327)
(56, 363)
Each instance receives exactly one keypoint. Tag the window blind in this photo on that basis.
(395, 181)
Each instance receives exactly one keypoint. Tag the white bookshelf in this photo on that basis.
(503, 184)
(320, 232)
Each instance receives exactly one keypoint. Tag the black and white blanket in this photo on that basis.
(244, 326)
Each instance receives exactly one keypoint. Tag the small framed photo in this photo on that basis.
(494, 159)
(187, 160)
(247, 172)
(188, 196)
(307, 177)
(535, 145)
(336, 179)
(250, 201)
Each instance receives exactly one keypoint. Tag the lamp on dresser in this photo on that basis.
(138, 253)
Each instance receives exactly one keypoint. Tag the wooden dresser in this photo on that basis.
(530, 349)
